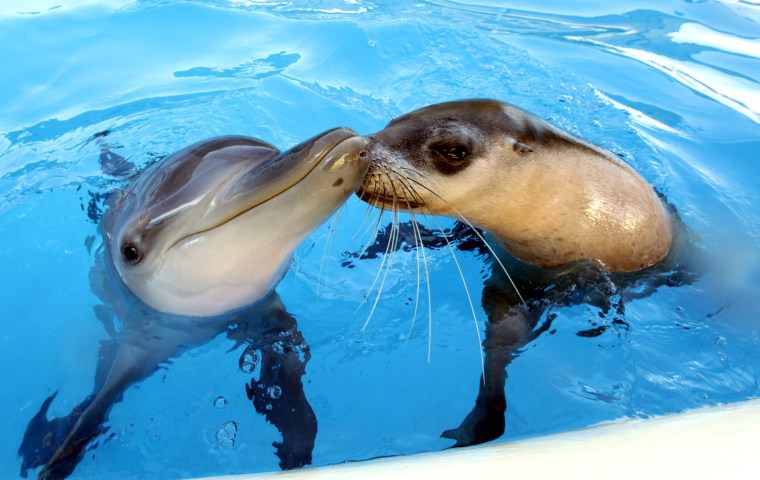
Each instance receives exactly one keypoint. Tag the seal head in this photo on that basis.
(550, 197)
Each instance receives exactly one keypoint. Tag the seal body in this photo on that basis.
(550, 197)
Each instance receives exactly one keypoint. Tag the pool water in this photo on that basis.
(672, 86)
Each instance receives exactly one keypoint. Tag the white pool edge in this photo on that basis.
(710, 442)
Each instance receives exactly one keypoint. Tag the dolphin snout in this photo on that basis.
(352, 152)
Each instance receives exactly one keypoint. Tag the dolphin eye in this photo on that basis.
(452, 153)
(131, 254)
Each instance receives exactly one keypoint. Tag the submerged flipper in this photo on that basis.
(278, 393)
(139, 350)
(126, 370)
(43, 437)
(60, 443)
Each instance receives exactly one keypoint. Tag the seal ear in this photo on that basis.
(521, 148)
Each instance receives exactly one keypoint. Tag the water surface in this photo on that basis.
(672, 86)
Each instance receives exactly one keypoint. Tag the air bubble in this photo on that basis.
(226, 434)
(274, 391)
(248, 361)
(221, 402)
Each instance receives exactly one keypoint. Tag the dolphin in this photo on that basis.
(193, 246)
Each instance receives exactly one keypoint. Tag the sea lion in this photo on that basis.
(549, 197)
(575, 225)
(195, 245)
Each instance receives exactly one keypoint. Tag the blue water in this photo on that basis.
(671, 85)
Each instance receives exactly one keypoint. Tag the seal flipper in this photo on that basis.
(509, 327)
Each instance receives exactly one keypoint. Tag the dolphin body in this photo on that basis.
(192, 247)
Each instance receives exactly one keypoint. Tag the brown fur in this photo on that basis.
(550, 197)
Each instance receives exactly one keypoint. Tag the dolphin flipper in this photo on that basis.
(60, 443)
(43, 437)
(278, 393)
(139, 350)
(85, 423)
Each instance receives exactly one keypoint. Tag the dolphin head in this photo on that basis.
(211, 228)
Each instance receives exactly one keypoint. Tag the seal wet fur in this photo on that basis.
(550, 197)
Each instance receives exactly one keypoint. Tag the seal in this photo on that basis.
(549, 197)
(575, 225)
(194, 246)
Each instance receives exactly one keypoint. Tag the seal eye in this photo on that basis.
(452, 153)
(131, 254)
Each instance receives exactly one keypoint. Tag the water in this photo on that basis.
(671, 85)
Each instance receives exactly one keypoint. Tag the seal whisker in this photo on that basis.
(335, 220)
(402, 179)
(418, 199)
(461, 274)
(488, 245)
(377, 276)
(467, 292)
(297, 263)
(368, 227)
(420, 246)
(367, 215)
(427, 283)
(417, 245)
(417, 293)
(391, 240)
(369, 211)
(395, 221)
(377, 225)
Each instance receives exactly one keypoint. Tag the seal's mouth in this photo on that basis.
(394, 201)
